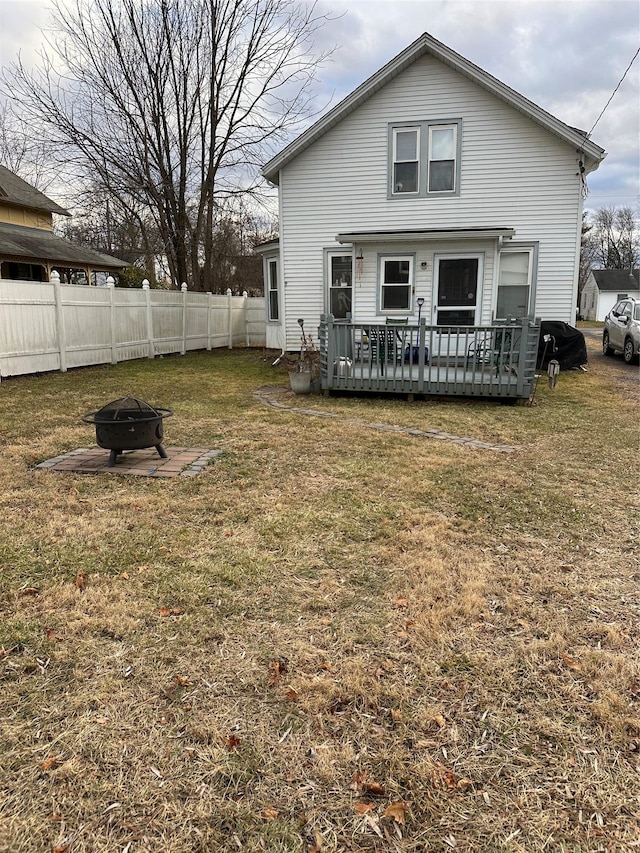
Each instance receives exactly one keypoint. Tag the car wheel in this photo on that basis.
(606, 349)
(628, 353)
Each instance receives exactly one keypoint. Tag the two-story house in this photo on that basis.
(432, 187)
(29, 248)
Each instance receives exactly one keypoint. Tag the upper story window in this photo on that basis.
(442, 158)
(424, 158)
(406, 164)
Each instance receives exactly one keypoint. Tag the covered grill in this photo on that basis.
(128, 424)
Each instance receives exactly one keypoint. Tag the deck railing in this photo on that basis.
(472, 361)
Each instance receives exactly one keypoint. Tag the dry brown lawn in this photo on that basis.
(334, 639)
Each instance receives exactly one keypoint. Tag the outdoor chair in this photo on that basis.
(384, 346)
(492, 349)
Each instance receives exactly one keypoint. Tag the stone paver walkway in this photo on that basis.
(180, 462)
(280, 397)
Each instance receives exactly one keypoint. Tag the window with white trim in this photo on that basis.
(273, 302)
(406, 163)
(442, 158)
(514, 284)
(396, 284)
(424, 158)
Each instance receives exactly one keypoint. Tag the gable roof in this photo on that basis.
(426, 44)
(618, 281)
(16, 191)
(19, 241)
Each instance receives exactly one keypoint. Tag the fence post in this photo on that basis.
(55, 281)
(209, 310)
(111, 284)
(245, 314)
(147, 295)
(183, 288)
(229, 319)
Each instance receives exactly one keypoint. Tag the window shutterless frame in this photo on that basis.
(517, 268)
(424, 158)
(406, 160)
(395, 284)
(273, 295)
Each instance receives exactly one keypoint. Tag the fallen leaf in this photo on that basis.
(291, 695)
(401, 602)
(81, 581)
(62, 848)
(183, 681)
(170, 611)
(48, 763)
(464, 784)
(52, 634)
(232, 742)
(30, 590)
(325, 666)
(373, 788)
(569, 661)
(395, 811)
(363, 808)
(269, 813)
(277, 668)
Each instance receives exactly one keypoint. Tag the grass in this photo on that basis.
(336, 638)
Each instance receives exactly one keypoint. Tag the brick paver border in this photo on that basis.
(180, 462)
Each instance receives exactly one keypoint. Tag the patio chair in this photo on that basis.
(493, 349)
(384, 346)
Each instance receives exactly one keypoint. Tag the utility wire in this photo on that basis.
(613, 93)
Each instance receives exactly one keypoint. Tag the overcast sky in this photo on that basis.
(567, 56)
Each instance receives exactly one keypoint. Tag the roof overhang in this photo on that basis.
(268, 246)
(423, 235)
(19, 242)
(592, 154)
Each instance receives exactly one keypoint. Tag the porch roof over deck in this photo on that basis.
(421, 234)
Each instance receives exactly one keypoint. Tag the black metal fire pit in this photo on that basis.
(128, 424)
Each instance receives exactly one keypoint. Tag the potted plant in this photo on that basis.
(306, 367)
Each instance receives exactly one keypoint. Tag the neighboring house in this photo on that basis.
(434, 181)
(604, 288)
(29, 250)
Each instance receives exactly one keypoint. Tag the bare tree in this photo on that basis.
(614, 240)
(21, 153)
(173, 104)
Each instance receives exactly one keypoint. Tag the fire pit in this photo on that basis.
(128, 424)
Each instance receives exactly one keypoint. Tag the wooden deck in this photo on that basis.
(471, 361)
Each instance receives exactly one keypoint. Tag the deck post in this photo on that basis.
(421, 354)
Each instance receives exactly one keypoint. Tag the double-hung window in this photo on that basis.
(396, 284)
(514, 284)
(425, 158)
(406, 163)
(274, 296)
(442, 158)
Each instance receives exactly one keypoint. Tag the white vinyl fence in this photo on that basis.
(53, 326)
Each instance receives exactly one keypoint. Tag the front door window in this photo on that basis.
(457, 290)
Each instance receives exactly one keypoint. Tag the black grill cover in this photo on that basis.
(571, 349)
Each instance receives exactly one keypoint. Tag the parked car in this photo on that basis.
(622, 330)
